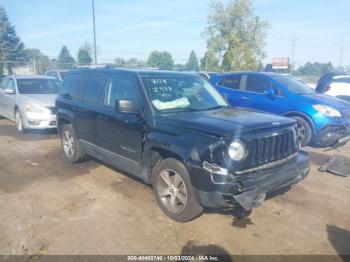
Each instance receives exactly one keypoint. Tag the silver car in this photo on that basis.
(29, 101)
(58, 73)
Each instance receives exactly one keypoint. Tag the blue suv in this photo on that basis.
(322, 120)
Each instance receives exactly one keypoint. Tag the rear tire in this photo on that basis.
(173, 191)
(70, 145)
(304, 130)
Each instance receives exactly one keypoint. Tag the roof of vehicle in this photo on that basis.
(248, 73)
(33, 77)
(341, 77)
(58, 70)
(141, 72)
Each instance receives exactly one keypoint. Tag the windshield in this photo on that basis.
(293, 85)
(181, 93)
(38, 86)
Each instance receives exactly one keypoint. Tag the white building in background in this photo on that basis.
(21, 70)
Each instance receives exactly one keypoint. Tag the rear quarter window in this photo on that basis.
(71, 84)
(93, 88)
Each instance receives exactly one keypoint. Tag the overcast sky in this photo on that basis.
(133, 28)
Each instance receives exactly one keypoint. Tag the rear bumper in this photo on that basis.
(332, 135)
(249, 190)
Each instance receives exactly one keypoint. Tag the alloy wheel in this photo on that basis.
(68, 143)
(172, 190)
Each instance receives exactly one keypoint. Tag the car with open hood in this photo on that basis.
(322, 120)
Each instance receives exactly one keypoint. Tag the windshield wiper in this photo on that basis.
(178, 110)
(215, 107)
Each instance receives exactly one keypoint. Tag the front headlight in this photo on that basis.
(237, 151)
(327, 110)
(33, 108)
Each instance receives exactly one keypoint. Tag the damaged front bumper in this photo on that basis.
(250, 189)
(333, 136)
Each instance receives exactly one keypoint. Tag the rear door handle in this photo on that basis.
(244, 97)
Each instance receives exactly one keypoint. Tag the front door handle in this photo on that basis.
(244, 97)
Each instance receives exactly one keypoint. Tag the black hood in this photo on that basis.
(224, 122)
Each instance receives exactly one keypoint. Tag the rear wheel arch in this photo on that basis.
(61, 121)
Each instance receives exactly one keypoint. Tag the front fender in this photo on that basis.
(190, 148)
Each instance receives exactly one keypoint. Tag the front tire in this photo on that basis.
(19, 122)
(70, 145)
(173, 191)
(304, 130)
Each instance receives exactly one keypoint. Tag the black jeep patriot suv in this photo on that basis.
(175, 132)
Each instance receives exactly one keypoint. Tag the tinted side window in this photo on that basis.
(92, 90)
(70, 86)
(258, 84)
(119, 88)
(232, 82)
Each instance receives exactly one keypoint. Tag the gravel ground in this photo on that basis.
(49, 206)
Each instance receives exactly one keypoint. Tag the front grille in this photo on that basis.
(271, 148)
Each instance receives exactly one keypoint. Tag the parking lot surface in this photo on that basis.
(49, 206)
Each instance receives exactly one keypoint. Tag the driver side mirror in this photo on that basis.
(125, 106)
(270, 92)
(9, 91)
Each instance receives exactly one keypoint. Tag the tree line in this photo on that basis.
(235, 40)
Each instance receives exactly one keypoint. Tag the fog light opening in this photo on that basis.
(215, 169)
(34, 122)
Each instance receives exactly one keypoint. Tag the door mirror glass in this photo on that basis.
(270, 93)
(125, 106)
(9, 91)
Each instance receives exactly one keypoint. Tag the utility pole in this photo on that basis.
(93, 23)
(292, 56)
(34, 67)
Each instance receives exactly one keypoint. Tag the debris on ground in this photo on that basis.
(338, 165)
(31, 163)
